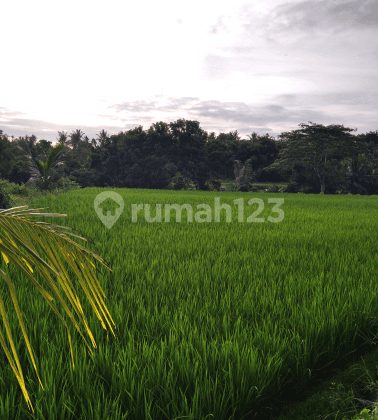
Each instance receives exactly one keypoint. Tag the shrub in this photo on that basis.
(292, 187)
(177, 182)
(243, 188)
(273, 188)
(12, 188)
(5, 200)
(65, 184)
(216, 184)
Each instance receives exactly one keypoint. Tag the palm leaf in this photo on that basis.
(59, 249)
(52, 155)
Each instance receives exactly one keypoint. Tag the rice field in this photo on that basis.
(214, 320)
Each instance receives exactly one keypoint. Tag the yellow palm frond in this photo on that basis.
(21, 232)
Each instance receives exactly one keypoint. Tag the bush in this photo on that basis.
(273, 188)
(177, 182)
(65, 184)
(12, 188)
(216, 184)
(253, 188)
(292, 187)
(5, 200)
(305, 189)
(243, 188)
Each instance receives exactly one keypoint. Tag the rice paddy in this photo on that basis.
(214, 320)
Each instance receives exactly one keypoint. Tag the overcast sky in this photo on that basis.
(246, 66)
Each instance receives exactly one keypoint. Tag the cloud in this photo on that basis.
(314, 16)
(261, 66)
(287, 112)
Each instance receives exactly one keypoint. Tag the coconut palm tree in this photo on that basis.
(42, 171)
(17, 234)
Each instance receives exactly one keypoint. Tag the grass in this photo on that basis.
(214, 320)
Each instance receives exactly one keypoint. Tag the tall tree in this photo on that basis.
(362, 164)
(27, 145)
(102, 137)
(220, 159)
(63, 138)
(253, 137)
(13, 166)
(76, 137)
(42, 171)
(191, 140)
(81, 146)
(17, 235)
(6, 156)
(312, 147)
(43, 148)
(231, 136)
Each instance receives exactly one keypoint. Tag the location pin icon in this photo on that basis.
(108, 206)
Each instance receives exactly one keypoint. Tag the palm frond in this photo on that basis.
(53, 155)
(54, 240)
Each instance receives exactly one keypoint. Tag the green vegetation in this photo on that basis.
(181, 155)
(214, 320)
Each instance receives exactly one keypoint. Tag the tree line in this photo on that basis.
(313, 159)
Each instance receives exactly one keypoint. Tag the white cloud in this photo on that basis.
(247, 67)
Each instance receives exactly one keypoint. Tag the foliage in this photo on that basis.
(42, 171)
(333, 160)
(20, 233)
(220, 159)
(177, 182)
(65, 184)
(216, 184)
(273, 188)
(12, 163)
(312, 146)
(5, 200)
(292, 187)
(253, 188)
(243, 188)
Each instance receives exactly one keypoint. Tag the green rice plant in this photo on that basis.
(214, 319)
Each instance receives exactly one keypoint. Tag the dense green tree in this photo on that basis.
(112, 160)
(220, 159)
(62, 138)
(81, 146)
(362, 163)
(20, 172)
(182, 146)
(211, 136)
(101, 137)
(161, 142)
(6, 156)
(77, 152)
(75, 138)
(192, 159)
(312, 147)
(231, 136)
(253, 137)
(43, 148)
(13, 166)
